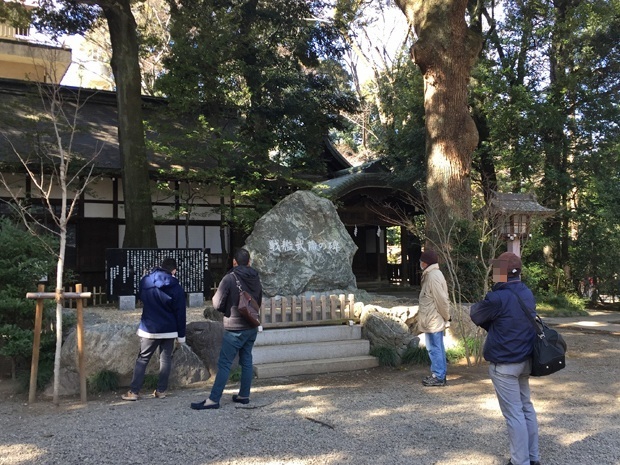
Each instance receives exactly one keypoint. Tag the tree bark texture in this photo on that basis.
(139, 221)
(557, 183)
(445, 51)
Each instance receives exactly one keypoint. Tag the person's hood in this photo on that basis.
(159, 278)
(248, 276)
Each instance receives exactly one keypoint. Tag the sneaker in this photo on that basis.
(432, 381)
(159, 395)
(130, 396)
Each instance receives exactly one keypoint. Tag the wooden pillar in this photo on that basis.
(378, 242)
(404, 256)
(34, 365)
(514, 246)
(80, 344)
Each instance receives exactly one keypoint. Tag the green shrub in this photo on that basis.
(235, 375)
(549, 304)
(23, 258)
(45, 374)
(150, 382)
(458, 352)
(23, 261)
(104, 381)
(417, 356)
(16, 344)
(387, 356)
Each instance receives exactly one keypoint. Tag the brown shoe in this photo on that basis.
(130, 396)
(159, 395)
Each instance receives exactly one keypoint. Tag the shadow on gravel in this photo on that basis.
(380, 416)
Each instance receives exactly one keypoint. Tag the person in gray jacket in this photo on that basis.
(239, 336)
(433, 316)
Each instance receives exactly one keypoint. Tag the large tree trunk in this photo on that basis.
(557, 183)
(140, 224)
(445, 52)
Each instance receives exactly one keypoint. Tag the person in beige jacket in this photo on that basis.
(433, 314)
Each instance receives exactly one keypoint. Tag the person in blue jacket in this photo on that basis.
(508, 348)
(162, 323)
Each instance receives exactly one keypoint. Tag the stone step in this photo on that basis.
(302, 335)
(310, 351)
(308, 367)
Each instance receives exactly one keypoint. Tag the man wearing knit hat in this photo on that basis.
(433, 314)
(508, 349)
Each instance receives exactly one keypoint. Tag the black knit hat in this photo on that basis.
(429, 257)
(169, 264)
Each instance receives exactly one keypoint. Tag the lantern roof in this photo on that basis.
(518, 203)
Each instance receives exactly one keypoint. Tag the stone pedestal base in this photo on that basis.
(195, 300)
(127, 302)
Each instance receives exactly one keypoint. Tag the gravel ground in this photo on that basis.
(379, 416)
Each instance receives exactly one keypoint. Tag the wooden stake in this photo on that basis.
(80, 344)
(34, 366)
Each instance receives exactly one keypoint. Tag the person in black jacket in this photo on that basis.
(162, 322)
(239, 336)
(508, 348)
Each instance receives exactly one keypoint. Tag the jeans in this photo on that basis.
(234, 342)
(512, 386)
(147, 349)
(437, 354)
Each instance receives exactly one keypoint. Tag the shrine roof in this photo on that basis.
(514, 203)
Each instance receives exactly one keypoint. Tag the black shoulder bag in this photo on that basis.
(549, 353)
(248, 307)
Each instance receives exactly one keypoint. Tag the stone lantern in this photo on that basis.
(515, 212)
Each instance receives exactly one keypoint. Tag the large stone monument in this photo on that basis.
(301, 246)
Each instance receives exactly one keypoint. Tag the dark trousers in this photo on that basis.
(147, 349)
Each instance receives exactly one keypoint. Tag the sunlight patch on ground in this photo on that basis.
(314, 410)
(592, 324)
(326, 459)
(490, 404)
(378, 412)
(21, 453)
(472, 457)
(309, 389)
(489, 407)
(568, 438)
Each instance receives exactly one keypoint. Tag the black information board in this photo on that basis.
(125, 268)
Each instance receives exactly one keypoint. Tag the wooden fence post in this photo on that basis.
(40, 296)
(80, 344)
(34, 365)
(304, 309)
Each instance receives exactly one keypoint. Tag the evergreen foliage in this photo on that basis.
(235, 375)
(387, 356)
(546, 101)
(23, 261)
(416, 356)
(261, 85)
(103, 381)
